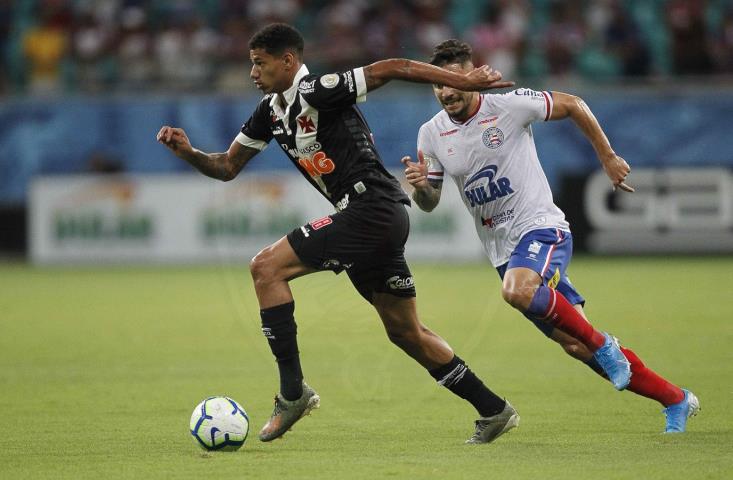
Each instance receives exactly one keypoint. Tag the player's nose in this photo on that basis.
(448, 92)
(448, 97)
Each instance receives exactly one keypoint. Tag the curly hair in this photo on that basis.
(276, 38)
(451, 51)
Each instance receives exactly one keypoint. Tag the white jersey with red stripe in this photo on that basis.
(493, 160)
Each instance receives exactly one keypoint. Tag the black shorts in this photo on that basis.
(367, 239)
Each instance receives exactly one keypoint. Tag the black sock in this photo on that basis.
(278, 325)
(459, 379)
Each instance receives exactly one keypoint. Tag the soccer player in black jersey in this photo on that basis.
(315, 121)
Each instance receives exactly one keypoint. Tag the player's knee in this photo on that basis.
(261, 266)
(517, 297)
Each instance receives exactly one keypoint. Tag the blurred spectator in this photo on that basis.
(92, 46)
(386, 24)
(169, 46)
(200, 52)
(496, 39)
(273, 11)
(234, 68)
(339, 43)
(564, 36)
(623, 40)
(186, 53)
(45, 46)
(6, 13)
(724, 44)
(135, 50)
(689, 37)
(430, 25)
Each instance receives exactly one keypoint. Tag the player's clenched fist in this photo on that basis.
(416, 173)
(617, 170)
(175, 139)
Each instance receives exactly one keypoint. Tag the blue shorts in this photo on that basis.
(548, 252)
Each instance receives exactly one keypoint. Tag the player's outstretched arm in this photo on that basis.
(426, 194)
(222, 166)
(616, 168)
(381, 72)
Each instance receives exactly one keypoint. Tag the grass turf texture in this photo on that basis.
(101, 368)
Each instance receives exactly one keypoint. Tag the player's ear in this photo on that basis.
(289, 60)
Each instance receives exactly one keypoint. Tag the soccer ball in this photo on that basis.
(219, 423)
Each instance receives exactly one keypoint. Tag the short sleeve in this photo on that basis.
(257, 131)
(528, 105)
(426, 152)
(334, 90)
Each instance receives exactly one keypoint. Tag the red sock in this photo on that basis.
(648, 384)
(563, 316)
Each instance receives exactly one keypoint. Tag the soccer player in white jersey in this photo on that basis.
(485, 144)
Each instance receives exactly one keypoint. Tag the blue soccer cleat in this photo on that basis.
(614, 363)
(678, 413)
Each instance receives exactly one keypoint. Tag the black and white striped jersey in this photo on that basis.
(325, 135)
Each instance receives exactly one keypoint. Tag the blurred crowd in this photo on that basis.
(53, 46)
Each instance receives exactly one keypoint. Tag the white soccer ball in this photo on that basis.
(219, 423)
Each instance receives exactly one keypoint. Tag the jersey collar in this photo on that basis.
(289, 94)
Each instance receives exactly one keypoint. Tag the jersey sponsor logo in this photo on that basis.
(498, 219)
(321, 222)
(343, 203)
(449, 132)
(307, 150)
(349, 80)
(481, 187)
(291, 151)
(400, 283)
(527, 92)
(331, 264)
(488, 120)
(493, 138)
(335, 265)
(307, 87)
(306, 124)
(317, 165)
(330, 80)
(278, 131)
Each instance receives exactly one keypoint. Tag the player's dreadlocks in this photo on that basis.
(276, 38)
(451, 51)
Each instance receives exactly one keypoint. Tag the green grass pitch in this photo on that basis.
(100, 369)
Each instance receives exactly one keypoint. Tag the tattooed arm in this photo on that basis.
(222, 166)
